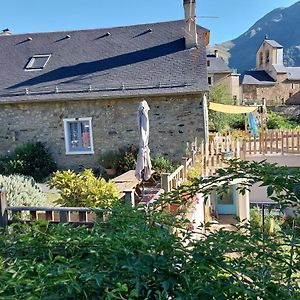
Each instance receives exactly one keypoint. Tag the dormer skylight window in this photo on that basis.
(37, 62)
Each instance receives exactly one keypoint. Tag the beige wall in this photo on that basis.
(174, 121)
(259, 194)
(230, 80)
(290, 160)
(235, 86)
(266, 65)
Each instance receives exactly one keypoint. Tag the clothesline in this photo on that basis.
(253, 117)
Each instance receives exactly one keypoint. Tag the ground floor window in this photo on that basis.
(78, 136)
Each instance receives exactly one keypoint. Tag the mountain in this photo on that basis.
(281, 24)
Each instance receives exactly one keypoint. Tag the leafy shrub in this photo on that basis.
(255, 217)
(237, 122)
(109, 159)
(134, 256)
(32, 159)
(272, 224)
(22, 191)
(129, 257)
(291, 223)
(122, 160)
(219, 121)
(277, 121)
(83, 189)
(195, 171)
(128, 157)
(162, 165)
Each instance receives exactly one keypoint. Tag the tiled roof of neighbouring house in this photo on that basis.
(256, 78)
(135, 60)
(217, 65)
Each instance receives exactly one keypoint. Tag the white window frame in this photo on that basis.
(67, 136)
(28, 67)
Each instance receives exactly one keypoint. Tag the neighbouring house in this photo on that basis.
(218, 72)
(78, 91)
(271, 80)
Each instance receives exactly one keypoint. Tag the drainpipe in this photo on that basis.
(205, 117)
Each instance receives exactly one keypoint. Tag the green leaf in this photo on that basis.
(270, 190)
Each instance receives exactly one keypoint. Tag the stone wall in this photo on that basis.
(280, 92)
(288, 110)
(174, 121)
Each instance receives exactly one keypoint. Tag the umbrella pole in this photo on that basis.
(143, 184)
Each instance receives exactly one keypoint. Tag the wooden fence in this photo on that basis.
(272, 142)
(213, 155)
(172, 181)
(73, 215)
(269, 142)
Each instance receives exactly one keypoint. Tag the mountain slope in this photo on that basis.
(281, 24)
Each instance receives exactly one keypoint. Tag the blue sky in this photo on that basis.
(235, 17)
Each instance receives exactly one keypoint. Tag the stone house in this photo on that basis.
(271, 80)
(78, 91)
(218, 72)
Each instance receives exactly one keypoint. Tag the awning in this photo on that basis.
(231, 109)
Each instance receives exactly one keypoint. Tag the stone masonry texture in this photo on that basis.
(174, 121)
(280, 92)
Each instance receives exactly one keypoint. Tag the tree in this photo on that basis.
(219, 121)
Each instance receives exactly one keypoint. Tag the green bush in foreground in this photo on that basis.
(22, 191)
(136, 254)
(131, 257)
(84, 189)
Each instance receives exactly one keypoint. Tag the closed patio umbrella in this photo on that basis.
(143, 166)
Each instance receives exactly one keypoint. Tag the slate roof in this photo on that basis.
(280, 69)
(217, 65)
(293, 73)
(273, 43)
(256, 78)
(145, 59)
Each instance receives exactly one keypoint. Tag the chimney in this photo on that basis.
(216, 53)
(5, 32)
(190, 24)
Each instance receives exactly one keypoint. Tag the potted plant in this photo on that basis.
(109, 160)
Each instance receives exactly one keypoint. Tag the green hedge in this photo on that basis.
(131, 257)
(32, 159)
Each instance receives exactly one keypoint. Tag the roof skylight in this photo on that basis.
(38, 62)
